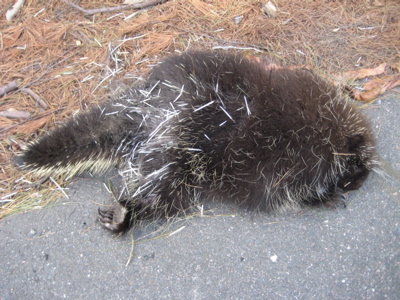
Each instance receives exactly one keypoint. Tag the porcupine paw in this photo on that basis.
(116, 219)
(338, 200)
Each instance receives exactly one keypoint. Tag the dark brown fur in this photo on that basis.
(210, 125)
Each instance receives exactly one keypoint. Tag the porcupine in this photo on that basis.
(212, 125)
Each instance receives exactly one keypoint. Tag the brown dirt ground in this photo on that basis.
(71, 60)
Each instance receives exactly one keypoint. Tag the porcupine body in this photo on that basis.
(209, 125)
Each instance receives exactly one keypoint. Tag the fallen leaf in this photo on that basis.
(265, 61)
(365, 96)
(362, 73)
(375, 88)
(378, 82)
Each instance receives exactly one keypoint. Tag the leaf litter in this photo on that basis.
(70, 59)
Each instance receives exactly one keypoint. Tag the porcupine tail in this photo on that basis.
(94, 141)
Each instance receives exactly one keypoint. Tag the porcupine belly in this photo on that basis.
(210, 125)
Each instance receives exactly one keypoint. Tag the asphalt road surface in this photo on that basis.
(60, 252)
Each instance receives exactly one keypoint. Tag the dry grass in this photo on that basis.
(70, 60)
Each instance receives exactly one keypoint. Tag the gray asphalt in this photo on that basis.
(60, 252)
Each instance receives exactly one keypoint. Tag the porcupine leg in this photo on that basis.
(125, 213)
(171, 197)
(334, 198)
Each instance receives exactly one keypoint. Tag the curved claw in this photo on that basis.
(116, 219)
(338, 200)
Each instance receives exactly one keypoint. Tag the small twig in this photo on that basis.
(34, 118)
(10, 14)
(35, 96)
(140, 5)
(35, 184)
(8, 87)
(132, 250)
(14, 85)
(15, 114)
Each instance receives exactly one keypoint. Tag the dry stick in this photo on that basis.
(15, 114)
(34, 118)
(8, 88)
(34, 184)
(14, 85)
(140, 5)
(35, 96)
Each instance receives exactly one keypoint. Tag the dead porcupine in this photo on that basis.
(210, 125)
